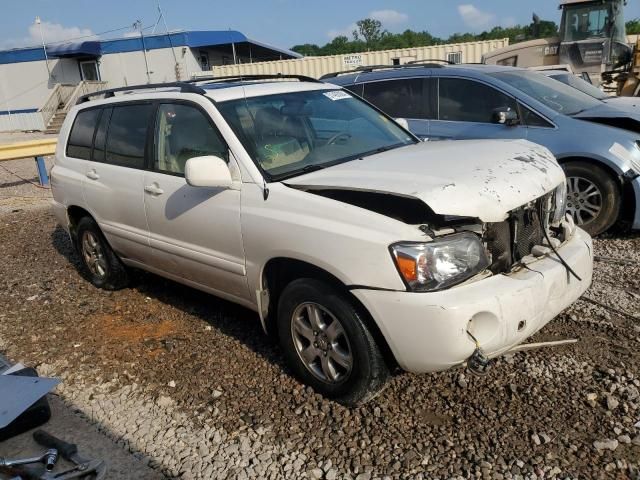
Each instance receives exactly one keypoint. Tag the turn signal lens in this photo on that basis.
(407, 267)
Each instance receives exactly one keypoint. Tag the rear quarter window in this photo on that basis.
(81, 136)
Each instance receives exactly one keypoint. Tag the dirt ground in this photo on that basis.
(215, 399)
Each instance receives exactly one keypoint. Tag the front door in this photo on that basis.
(89, 70)
(466, 111)
(194, 232)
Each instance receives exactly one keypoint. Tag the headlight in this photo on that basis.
(440, 264)
(560, 203)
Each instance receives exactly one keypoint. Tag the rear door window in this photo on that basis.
(127, 135)
(81, 136)
(462, 100)
(402, 98)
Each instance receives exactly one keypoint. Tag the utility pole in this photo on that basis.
(233, 48)
(175, 58)
(44, 47)
(138, 26)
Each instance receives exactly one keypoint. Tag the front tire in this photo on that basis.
(594, 197)
(100, 265)
(327, 343)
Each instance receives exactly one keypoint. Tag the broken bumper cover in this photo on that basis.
(429, 331)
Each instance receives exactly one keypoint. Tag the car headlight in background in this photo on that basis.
(560, 203)
(440, 264)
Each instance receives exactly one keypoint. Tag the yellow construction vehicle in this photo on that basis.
(592, 40)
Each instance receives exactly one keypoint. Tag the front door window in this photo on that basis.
(89, 71)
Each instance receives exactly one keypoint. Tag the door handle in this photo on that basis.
(93, 175)
(153, 190)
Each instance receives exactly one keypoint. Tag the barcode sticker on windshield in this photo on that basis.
(337, 95)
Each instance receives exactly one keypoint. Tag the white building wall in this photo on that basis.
(129, 68)
(21, 121)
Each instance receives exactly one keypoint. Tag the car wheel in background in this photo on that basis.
(594, 197)
(327, 344)
(100, 264)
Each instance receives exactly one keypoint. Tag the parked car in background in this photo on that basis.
(360, 247)
(596, 143)
(581, 84)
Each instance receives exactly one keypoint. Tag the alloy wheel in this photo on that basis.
(584, 200)
(321, 343)
(93, 254)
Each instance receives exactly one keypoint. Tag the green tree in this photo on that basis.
(633, 27)
(370, 35)
(370, 30)
(307, 49)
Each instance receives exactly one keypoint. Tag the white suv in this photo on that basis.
(362, 248)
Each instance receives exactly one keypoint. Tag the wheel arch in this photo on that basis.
(627, 195)
(76, 213)
(278, 272)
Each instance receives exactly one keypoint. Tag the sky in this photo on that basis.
(283, 23)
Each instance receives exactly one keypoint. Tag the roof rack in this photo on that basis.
(187, 86)
(109, 93)
(429, 61)
(372, 68)
(231, 78)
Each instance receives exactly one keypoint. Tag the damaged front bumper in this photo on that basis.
(430, 331)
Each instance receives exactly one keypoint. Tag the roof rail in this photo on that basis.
(231, 78)
(372, 68)
(109, 93)
(187, 86)
(429, 61)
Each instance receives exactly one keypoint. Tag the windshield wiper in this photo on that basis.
(381, 150)
(301, 171)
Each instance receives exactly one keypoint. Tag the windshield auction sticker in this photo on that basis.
(337, 95)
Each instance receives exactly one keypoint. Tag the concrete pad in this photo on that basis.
(69, 426)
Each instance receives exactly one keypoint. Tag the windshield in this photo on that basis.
(556, 95)
(593, 21)
(293, 133)
(580, 84)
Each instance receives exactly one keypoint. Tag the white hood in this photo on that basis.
(482, 179)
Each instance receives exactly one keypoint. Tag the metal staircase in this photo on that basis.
(61, 99)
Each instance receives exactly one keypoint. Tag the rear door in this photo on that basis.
(113, 187)
(465, 110)
(195, 232)
(406, 98)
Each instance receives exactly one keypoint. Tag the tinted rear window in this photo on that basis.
(128, 135)
(404, 98)
(81, 136)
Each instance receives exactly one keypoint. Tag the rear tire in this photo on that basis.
(327, 343)
(100, 265)
(594, 197)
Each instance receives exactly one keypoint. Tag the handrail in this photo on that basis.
(84, 88)
(59, 95)
(65, 95)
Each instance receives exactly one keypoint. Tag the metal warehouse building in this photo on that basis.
(38, 85)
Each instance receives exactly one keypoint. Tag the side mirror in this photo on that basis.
(402, 122)
(506, 116)
(209, 171)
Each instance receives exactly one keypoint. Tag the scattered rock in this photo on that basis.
(605, 445)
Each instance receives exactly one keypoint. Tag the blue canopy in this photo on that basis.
(78, 49)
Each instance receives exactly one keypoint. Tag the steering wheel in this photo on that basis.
(338, 135)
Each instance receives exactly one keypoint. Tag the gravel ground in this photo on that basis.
(190, 385)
